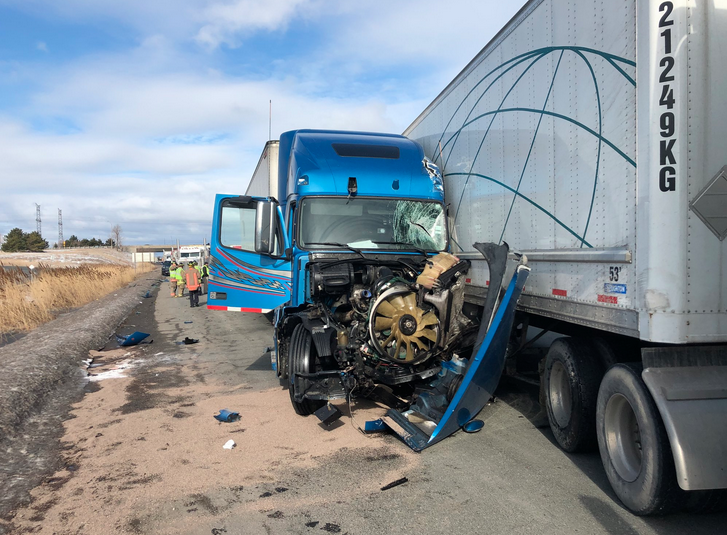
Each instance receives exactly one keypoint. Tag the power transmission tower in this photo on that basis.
(37, 218)
(60, 229)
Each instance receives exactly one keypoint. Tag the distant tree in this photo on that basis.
(110, 243)
(85, 243)
(35, 242)
(116, 235)
(72, 241)
(15, 241)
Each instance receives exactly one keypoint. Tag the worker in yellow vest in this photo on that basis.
(173, 278)
(179, 275)
(205, 269)
(191, 276)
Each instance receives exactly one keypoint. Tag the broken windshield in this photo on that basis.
(366, 223)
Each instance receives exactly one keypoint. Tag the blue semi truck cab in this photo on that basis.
(349, 252)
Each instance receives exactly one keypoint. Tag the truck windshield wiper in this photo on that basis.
(336, 244)
(407, 244)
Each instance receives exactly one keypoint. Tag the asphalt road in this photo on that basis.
(142, 454)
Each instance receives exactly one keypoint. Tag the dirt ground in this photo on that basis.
(141, 453)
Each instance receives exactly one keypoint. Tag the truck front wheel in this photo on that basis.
(634, 447)
(572, 374)
(301, 359)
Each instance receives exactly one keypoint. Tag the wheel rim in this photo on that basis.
(561, 403)
(623, 438)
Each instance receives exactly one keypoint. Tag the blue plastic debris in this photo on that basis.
(473, 426)
(227, 416)
(374, 426)
(132, 339)
(147, 294)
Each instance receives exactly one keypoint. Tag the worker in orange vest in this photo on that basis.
(191, 276)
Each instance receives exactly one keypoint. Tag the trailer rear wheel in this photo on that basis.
(573, 372)
(634, 447)
(301, 359)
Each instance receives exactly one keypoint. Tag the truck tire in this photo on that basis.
(301, 358)
(572, 375)
(634, 447)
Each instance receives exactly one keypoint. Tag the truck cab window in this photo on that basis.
(237, 228)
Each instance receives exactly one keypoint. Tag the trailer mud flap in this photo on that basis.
(420, 429)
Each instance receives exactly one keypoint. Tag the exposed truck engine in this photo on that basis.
(389, 323)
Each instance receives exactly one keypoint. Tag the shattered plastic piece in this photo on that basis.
(147, 294)
(132, 339)
(395, 483)
(227, 416)
(328, 414)
(229, 445)
(188, 340)
(473, 426)
(374, 426)
(188, 322)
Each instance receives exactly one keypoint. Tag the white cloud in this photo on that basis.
(223, 21)
(42, 46)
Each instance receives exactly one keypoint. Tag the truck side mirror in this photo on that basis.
(266, 227)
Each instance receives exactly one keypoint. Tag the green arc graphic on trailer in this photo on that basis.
(496, 74)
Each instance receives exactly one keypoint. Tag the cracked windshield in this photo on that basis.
(373, 223)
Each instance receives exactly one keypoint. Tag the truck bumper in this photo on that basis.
(692, 401)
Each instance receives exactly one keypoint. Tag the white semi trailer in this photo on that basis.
(264, 181)
(591, 135)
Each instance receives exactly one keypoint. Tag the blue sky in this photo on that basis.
(136, 113)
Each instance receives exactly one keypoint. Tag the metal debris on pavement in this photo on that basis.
(395, 483)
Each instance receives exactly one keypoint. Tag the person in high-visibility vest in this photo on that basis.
(173, 279)
(205, 272)
(179, 275)
(192, 277)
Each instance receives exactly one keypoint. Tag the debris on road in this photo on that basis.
(328, 414)
(227, 416)
(132, 339)
(229, 445)
(395, 483)
(187, 340)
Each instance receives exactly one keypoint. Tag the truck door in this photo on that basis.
(248, 271)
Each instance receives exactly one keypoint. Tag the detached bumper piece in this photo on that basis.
(431, 419)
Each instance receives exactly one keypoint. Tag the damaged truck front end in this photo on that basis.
(354, 261)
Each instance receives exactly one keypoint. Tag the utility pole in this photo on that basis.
(37, 218)
(60, 229)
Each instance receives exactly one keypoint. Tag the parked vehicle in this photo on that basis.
(165, 268)
(620, 210)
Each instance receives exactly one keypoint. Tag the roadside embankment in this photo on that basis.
(29, 299)
(31, 367)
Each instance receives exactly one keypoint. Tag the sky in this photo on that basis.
(138, 112)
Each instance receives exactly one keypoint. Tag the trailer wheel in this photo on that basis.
(634, 447)
(573, 372)
(301, 359)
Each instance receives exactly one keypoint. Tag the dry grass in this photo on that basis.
(27, 302)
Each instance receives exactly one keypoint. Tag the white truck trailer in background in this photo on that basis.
(264, 181)
(591, 135)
